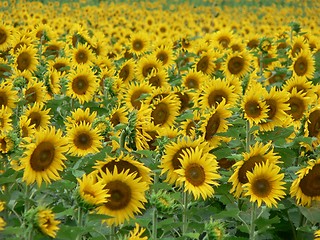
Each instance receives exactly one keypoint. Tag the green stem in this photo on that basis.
(248, 136)
(252, 232)
(123, 138)
(154, 224)
(112, 232)
(184, 214)
(79, 221)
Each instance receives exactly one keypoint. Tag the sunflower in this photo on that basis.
(27, 129)
(198, 173)
(276, 102)
(126, 71)
(82, 84)
(5, 120)
(47, 223)
(303, 65)
(185, 97)
(214, 91)
(265, 184)
(2, 224)
(19, 40)
(206, 62)
(254, 105)
(134, 94)
(223, 38)
(137, 233)
(158, 79)
(83, 139)
(301, 84)
(253, 41)
(194, 79)
(44, 156)
(138, 43)
(35, 91)
(298, 103)
(81, 55)
(54, 48)
(61, 64)
(275, 74)
(237, 64)
(127, 196)
(146, 65)
(26, 59)
(305, 188)
(312, 125)
(142, 119)
(164, 54)
(317, 235)
(299, 45)
(79, 115)
(124, 163)
(257, 154)
(92, 192)
(39, 116)
(189, 126)
(6, 142)
(165, 111)
(174, 151)
(5, 36)
(215, 121)
(54, 77)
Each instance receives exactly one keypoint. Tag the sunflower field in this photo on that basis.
(159, 120)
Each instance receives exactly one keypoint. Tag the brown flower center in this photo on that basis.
(120, 195)
(23, 61)
(252, 109)
(42, 156)
(195, 174)
(83, 141)
(160, 113)
(310, 183)
(203, 64)
(261, 188)
(80, 85)
(301, 66)
(235, 65)
(212, 126)
(248, 166)
(81, 56)
(3, 36)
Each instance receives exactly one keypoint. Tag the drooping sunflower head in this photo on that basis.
(198, 172)
(83, 139)
(257, 154)
(305, 188)
(265, 184)
(206, 62)
(127, 196)
(237, 64)
(46, 222)
(82, 84)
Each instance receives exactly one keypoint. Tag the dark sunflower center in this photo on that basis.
(297, 107)
(3, 145)
(224, 42)
(212, 126)
(31, 95)
(80, 85)
(81, 56)
(124, 73)
(175, 159)
(314, 123)
(35, 119)
(137, 45)
(195, 174)
(120, 195)
(184, 100)
(23, 61)
(192, 83)
(83, 141)
(42, 156)
(203, 64)
(136, 103)
(296, 49)
(300, 66)
(248, 166)
(24, 132)
(216, 97)
(272, 108)
(115, 119)
(163, 57)
(155, 81)
(147, 69)
(3, 99)
(18, 46)
(310, 184)
(254, 43)
(252, 109)
(191, 125)
(3, 36)
(261, 187)
(160, 114)
(235, 65)
(122, 165)
(59, 66)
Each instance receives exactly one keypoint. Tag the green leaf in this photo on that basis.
(97, 217)
(311, 213)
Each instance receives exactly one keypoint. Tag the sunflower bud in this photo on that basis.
(163, 202)
(215, 229)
